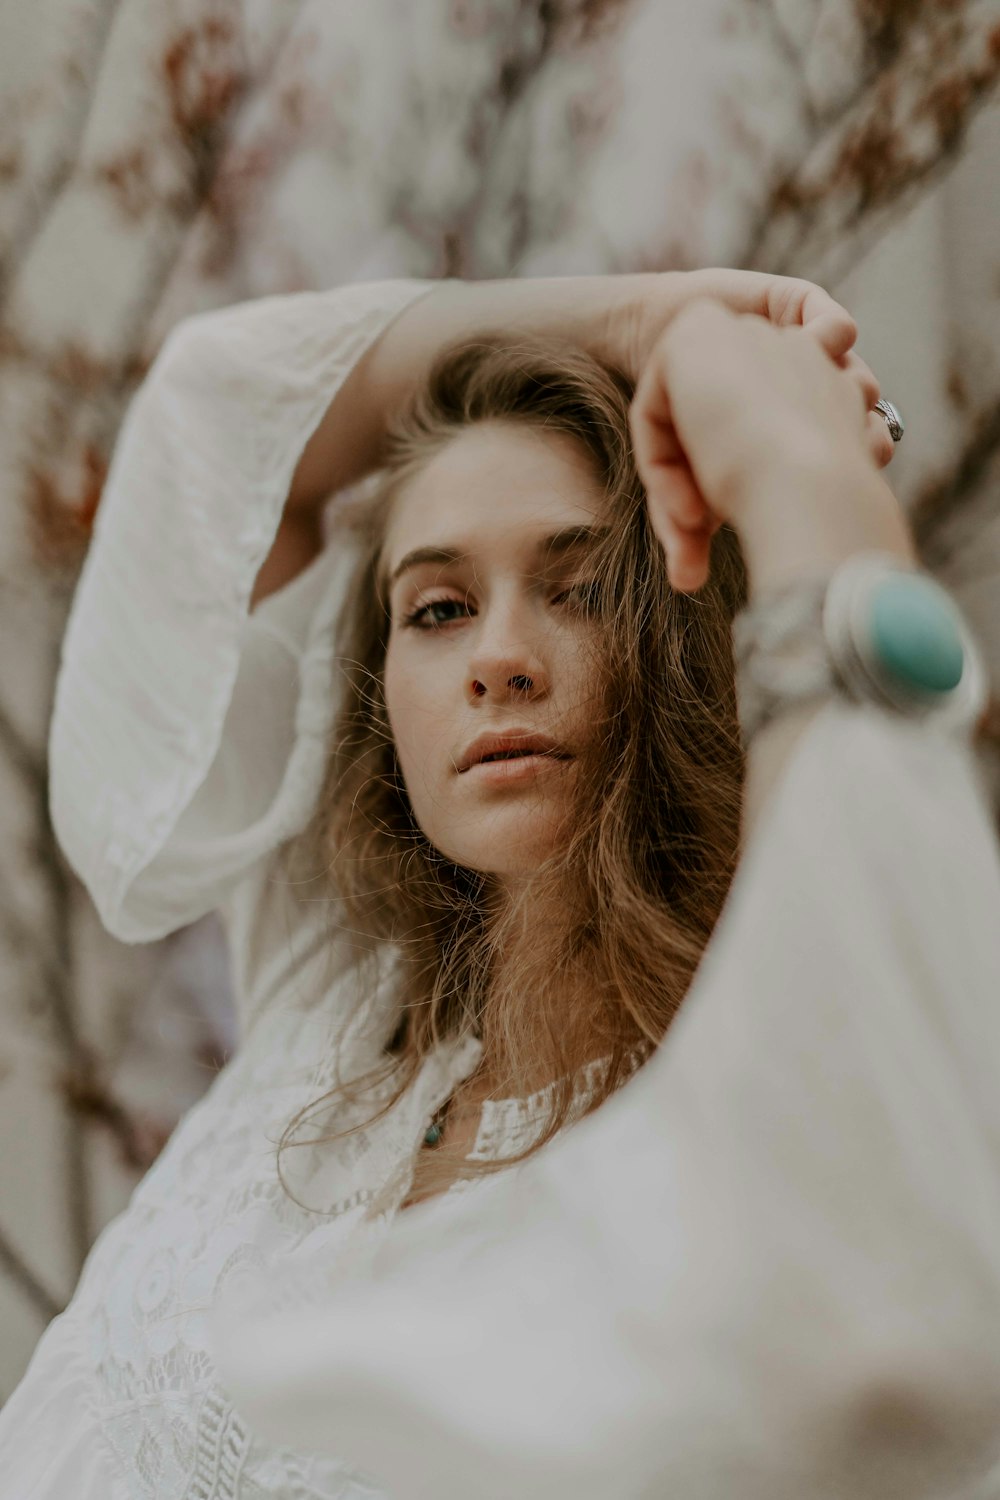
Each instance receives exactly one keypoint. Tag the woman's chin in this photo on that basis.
(514, 846)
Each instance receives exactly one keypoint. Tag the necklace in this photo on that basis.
(435, 1130)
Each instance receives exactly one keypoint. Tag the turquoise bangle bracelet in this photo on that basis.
(896, 634)
(875, 630)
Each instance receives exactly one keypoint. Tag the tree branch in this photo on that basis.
(908, 125)
(12, 1265)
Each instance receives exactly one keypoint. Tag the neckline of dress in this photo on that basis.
(501, 1118)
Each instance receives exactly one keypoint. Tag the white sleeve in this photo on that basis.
(188, 736)
(770, 1265)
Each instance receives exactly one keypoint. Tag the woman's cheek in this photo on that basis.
(415, 721)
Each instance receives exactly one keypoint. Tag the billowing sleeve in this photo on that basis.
(188, 736)
(769, 1266)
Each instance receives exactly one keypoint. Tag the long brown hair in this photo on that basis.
(631, 898)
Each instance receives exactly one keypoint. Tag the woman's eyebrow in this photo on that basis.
(558, 543)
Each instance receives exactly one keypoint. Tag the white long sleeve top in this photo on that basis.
(706, 1288)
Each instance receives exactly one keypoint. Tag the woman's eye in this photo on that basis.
(418, 616)
(585, 595)
(425, 617)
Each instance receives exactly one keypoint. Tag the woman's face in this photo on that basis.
(490, 635)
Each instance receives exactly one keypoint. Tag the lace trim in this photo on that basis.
(509, 1126)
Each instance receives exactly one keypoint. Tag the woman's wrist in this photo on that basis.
(804, 521)
(802, 526)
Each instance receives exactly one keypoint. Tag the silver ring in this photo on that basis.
(893, 420)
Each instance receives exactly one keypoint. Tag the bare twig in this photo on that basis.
(940, 500)
(18, 1271)
(90, 1098)
(793, 55)
(906, 127)
(100, 22)
(20, 754)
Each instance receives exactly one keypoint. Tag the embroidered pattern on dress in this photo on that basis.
(222, 1448)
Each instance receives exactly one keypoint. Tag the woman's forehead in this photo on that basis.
(493, 488)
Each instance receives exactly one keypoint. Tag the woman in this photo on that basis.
(191, 769)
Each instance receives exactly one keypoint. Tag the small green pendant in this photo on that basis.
(915, 635)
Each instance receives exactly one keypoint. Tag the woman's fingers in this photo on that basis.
(688, 553)
(880, 440)
(865, 376)
(880, 443)
(677, 509)
(785, 301)
(792, 302)
(678, 513)
(833, 331)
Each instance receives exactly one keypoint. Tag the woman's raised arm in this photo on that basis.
(734, 420)
(617, 318)
(591, 310)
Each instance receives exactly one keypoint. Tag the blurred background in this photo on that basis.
(161, 157)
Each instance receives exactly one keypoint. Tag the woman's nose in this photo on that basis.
(513, 685)
(507, 662)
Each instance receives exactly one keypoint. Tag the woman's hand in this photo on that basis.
(737, 420)
(784, 301)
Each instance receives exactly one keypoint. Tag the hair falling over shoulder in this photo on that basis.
(620, 916)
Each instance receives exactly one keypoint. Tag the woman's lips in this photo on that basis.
(515, 769)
